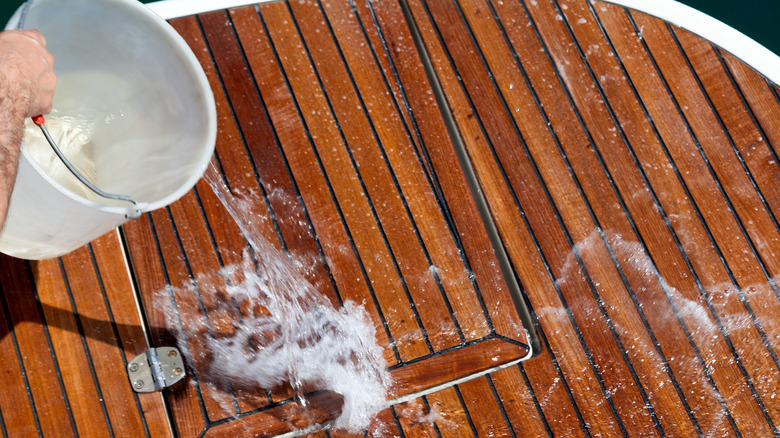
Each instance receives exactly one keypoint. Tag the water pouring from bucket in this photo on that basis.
(133, 113)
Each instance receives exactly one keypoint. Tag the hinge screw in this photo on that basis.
(177, 372)
(172, 353)
(133, 367)
(138, 384)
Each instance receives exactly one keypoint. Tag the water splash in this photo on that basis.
(283, 331)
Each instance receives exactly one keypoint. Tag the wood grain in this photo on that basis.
(580, 91)
(70, 329)
(630, 168)
(316, 142)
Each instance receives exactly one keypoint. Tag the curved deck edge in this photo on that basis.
(741, 46)
(758, 57)
(170, 9)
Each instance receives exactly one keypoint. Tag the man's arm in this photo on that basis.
(27, 84)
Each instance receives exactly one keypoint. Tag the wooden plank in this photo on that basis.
(596, 186)
(753, 146)
(453, 365)
(760, 96)
(186, 402)
(116, 284)
(119, 402)
(470, 409)
(280, 419)
(381, 177)
(413, 377)
(656, 320)
(16, 406)
(356, 203)
(748, 143)
(461, 49)
(347, 270)
(43, 375)
(700, 179)
(589, 255)
(631, 169)
(752, 268)
(519, 403)
(415, 419)
(268, 424)
(452, 420)
(608, 208)
(621, 288)
(388, 166)
(359, 153)
(484, 409)
(188, 313)
(68, 339)
(368, 235)
(671, 271)
(554, 397)
(439, 150)
(83, 306)
(241, 172)
(523, 250)
(384, 423)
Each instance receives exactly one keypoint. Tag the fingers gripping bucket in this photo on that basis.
(130, 86)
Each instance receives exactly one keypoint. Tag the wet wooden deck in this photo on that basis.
(629, 169)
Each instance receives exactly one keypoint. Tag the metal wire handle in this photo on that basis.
(136, 212)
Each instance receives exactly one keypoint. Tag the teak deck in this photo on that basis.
(630, 172)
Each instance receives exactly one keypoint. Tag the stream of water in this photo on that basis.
(292, 334)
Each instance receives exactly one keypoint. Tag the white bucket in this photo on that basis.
(134, 87)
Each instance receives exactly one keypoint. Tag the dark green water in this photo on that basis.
(755, 18)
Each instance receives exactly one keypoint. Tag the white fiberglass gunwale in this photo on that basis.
(722, 35)
(170, 9)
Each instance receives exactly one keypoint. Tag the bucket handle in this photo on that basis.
(131, 214)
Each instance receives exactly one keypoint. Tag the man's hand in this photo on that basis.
(27, 84)
(27, 77)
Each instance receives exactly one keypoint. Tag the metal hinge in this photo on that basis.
(156, 369)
